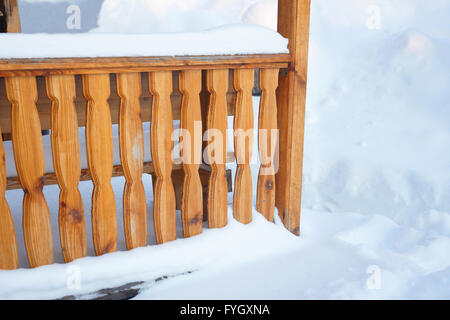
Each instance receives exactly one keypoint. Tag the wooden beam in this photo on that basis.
(42, 67)
(44, 104)
(13, 183)
(293, 23)
(9, 16)
(50, 178)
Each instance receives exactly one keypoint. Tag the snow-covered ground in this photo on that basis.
(376, 198)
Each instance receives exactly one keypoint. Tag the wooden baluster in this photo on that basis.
(132, 156)
(29, 158)
(216, 151)
(9, 256)
(243, 144)
(267, 141)
(67, 164)
(191, 143)
(161, 146)
(99, 145)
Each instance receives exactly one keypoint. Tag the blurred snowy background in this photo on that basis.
(376, 195)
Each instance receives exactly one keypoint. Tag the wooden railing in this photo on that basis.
(25, 123)
(63, 94)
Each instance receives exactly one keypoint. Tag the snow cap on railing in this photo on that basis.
(225, 40)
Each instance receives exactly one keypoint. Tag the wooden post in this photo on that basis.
(293, 23)
(9, 16)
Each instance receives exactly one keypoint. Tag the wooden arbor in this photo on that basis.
(281, 188)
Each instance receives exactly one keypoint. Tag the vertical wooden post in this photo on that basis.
(267, 142)
(99, 147)
(131, 137)
(217, 84)
(243, 145)
(29, 157)
(293, 23)
(10, 16)
(67, 164)
(190, 82)
(164, 209)
(9, 255)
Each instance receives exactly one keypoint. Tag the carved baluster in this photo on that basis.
(132, 157)
(191, 142)
(243, 145)
(99, 145)
(161, 146)
(216, 151)
(67, 164)
(267, 142)
(9, 258)
(29, 158)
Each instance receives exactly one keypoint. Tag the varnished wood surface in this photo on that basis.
(243, 145)
(44, 104)
(29, 159)
(191, 149)
(36, 67)
(131, 136)
(99, 147)
(164, 211)
(67, 164)
(217, 122)
(12, 16)
(8, 243)
(13, 183)
(267, 142)
(293, 23)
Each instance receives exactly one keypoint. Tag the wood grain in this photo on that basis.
(161, 147)
(29, 159)
(217, 84)
(293, 23)
(44, 104)
(43, 67)
(191, 146)
(243, 145)
(67, 164)
(12, 16)
(131, 136)
(267, 142)
(99, 147)
(9, 256)
(13, 183)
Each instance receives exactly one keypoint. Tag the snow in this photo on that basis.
(152, 262)
(376, 204)
(146, 16)
(227, 40)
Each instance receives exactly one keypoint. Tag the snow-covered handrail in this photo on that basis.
(237, 39)
(48, 66)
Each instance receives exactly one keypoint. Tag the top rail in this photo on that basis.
(43, 67)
